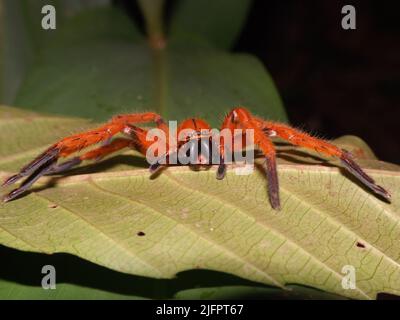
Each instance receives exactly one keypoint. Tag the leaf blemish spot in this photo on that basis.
(53, 206)
(360, 244)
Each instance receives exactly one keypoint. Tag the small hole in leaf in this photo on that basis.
(141, 234)
(360, 245)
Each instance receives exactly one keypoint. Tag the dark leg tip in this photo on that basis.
(221, 171)
(13, 194)
(275, 201)
(154, 167)
(49, 156)
(385, 194)
(273, 183)
(362, 176)
(42, 170)
(65, 166)
(11, 180)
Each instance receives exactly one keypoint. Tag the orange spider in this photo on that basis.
(201, 135)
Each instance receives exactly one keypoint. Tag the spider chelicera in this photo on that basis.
(238, 118)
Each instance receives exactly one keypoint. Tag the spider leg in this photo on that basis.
(355, 169)
(231, 122)
(140, 143)
(228, 124)
(236, 146)
(49, 155)
(156, 166)
(95, 154)
(65, 166)
(43, 169)
(77, 142)
(99, 153)
(273, 182)
(51, 167)
(69, 145)
(241, 118)
(221, 171)
(117, 124)
(302, 139)
(268, 149)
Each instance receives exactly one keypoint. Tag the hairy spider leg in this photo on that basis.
(234, 144)
(95, 154)
(51, 166)
(45, 163)
(139, 140)
(302, 139)
(240, 118)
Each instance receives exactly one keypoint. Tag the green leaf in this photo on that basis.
(243, 292)
(15, 50)
(218, 22)
(96, 64)
(22, 38)
(190, 220)
(64, 291)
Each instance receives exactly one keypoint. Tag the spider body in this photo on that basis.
(192, 135)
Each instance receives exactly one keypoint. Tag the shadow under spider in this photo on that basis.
(93, 167)
(104, 165)
(294, 154)
(291, 154)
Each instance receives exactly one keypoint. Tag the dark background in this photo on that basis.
(332, 81)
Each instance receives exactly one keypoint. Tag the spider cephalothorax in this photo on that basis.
(195, 146)
(197, 135)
